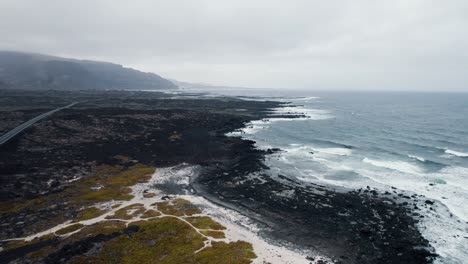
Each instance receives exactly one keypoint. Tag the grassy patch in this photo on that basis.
(105, 184)
(68, 229)
(107, 194)
(178, 207)
(19, 243)
(167, 240)
(162, 240)
(105, 227)
(89, 213)
(41, 252)
(124, 214)
(213, 234)
(204, 222)
(158, 240)
(150, 213)
(238, 252)
(14, 206)
(110, 183)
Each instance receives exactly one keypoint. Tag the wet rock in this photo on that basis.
(366, 230)
(429, 202)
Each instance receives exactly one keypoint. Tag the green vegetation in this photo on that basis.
(238, 252)
(111, 182)
(41, 252)
(123, 213)
(19, 243)
(178, 207)
(14, 206)
(68, 229)
(204, 222)
(89, 213)
(105, 184)
(162, 240)
(106, 227)
(167, 240)
(213, 234)
(150, 213)
(158, 239)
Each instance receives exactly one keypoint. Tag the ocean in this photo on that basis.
(414, 142)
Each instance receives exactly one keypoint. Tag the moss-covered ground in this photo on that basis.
(171, 231)
(89, 213)
(167, 240)
(106, 183)
(68, 229)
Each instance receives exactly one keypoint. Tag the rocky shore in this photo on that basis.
(160, 130)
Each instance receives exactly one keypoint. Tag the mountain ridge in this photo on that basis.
(22, 70)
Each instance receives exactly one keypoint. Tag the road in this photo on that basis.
(15, 131)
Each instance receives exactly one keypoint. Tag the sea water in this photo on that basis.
(415, 142)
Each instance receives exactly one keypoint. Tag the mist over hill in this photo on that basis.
(36, 71)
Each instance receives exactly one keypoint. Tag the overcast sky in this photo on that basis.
(377, 45)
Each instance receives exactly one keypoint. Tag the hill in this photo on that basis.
(36, 71)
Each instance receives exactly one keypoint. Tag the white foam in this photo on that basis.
(179, 175)
(416, 158)
(309, 113)
(446, 233)
(445, 227)
(318, 152)
(456, 153)
(256, 126)
(279, 99)
(395, 165)
(335, 151)
(454, 192)
(251, 128)
(308, 98)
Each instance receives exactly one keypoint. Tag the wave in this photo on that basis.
(251, 128)
(335, 151)
(456, 153)
(258, 98)
(394, 165)
(286, 113)
(411, 143)
(417, 158)
(303, 98)
(427, 161)
(454, 176)
(309, 150)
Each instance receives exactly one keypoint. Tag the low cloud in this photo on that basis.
(365, 45)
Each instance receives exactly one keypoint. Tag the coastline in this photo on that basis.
(75, 142)
(344, 221)
(148, 128)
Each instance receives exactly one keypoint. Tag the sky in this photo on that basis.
(301, 44)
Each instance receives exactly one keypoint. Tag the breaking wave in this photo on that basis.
(395, 165)
(456, 153)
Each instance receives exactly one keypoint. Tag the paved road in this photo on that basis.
(15, 131)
